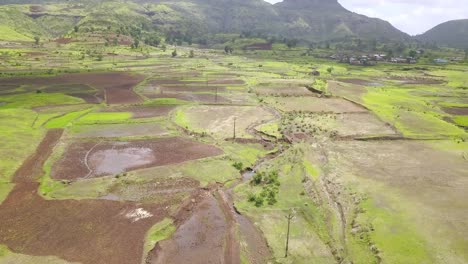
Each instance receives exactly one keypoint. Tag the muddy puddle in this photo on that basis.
(94, 159)
(247, 175)
(114, 161)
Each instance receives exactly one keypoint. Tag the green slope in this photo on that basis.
(452, 33)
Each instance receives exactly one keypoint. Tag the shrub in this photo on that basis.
(258, 201)
(238, 165)
(251, 197)
(257, 178)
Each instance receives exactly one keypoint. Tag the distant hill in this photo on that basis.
(452, 34)
(327, 19)
(310, 20)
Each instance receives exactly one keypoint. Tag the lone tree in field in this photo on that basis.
(174, 53)
(192, 54)
(330, 70)
(228, 49)
(136, 44)
(37, 40)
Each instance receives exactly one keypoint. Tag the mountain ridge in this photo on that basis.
(453, 33)
(307, 20)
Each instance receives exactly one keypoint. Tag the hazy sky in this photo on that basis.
(411, 16)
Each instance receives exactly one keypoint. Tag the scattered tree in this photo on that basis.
(174, 53)
(37, 40)
(291, 43)
(136, 43)
(75, 28)
(228, 49)
(192, 54)
(412, 53)
(330, 70)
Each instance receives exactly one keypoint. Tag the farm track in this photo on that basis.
(32, 167)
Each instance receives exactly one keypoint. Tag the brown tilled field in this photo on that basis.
(456, 110)
(117, 86)
(227, 81)
(193, 97)
(85, 231)
(192, 88)
(32, 167)
(99, 158)
(361, 82)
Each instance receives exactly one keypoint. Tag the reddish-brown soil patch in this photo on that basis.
(202, 98)
(122, 96)
(32, 167)
(84, 231)
(64, 40)
(191, 88)
(7, 88)
(90, 98)
(36, 9)
(117, 85)
(227, 81)
(259, 46)
(361, 82)
(167, 82)
(36, 54)
(456, 110)
(144, 111)
(93, 159)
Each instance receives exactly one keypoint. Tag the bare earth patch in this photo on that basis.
(85, 231)
(192, 97)
(99, 158)
(456, 110)
(117, 86)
